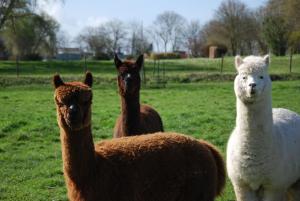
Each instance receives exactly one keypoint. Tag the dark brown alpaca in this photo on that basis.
(157, 167)
(135, 119)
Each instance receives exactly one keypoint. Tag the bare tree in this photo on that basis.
(138, 39)
(169, 27)
(97, 40)
(256, 31)
(232, 16)
(212, 34)
(193, 39)
(118, 32)
(63, 39)
(155, 38)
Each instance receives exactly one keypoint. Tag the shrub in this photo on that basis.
(103, 56)
(168, 55)
(32, 57)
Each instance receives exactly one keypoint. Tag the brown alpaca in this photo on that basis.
(157, 167)
(135, 119)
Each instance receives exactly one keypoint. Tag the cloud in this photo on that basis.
(74, 26)
(52, 8)
(70, 23)
(96, 21)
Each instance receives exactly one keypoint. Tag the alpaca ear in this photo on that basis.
(118, 62)
(238, 61)
(88, 79)
(57, 81)
(139, 62)
(267, 59)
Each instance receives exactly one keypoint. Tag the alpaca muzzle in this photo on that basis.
(127, 81)
(252, 88)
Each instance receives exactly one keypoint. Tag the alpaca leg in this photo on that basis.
(275, 195)
(245, 193)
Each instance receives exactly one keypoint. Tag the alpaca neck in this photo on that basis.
(130, 113)
(254, 121)
(78, 154)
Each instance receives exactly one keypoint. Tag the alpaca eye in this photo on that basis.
(261, 77)
(123, 76)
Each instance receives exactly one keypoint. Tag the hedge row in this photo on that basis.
(168, 55)
(98, 80)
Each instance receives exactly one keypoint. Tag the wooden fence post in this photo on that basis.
(222, 63)
(85, 67)
(144, 72)
(17, 65)
(291, 59)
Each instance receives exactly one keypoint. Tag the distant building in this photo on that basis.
(3, 52)
(212, 52)
(216, 51)
(182, 54)
(66, 54)
(3, 55)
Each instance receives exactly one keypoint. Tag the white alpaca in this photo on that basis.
(263, 153)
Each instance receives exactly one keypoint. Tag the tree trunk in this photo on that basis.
(6, 14)
(166, 47)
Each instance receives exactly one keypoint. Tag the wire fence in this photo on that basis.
(153, 68)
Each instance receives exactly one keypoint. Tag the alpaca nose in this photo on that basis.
(252, 85)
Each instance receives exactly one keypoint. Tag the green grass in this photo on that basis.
(176, 71)
(279, 65)
(30, 152)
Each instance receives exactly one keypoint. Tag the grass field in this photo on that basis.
(279, 65)
(30, 152)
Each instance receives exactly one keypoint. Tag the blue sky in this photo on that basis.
(74, 15)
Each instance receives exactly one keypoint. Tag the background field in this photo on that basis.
(176, 71)
(197, 101)
(279, 65)
(30, 154)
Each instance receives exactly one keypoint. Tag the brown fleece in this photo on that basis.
(219, 164)
(157, 167)
(135, 119)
